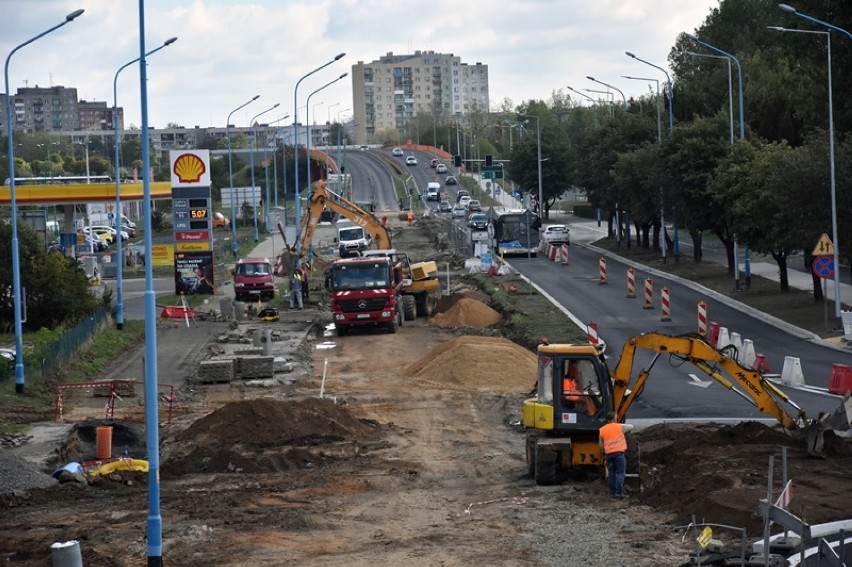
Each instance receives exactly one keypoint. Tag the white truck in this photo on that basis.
(352, 239)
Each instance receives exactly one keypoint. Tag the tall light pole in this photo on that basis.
(339, 128)
(234, 245)
(837, 292)
(730, 86)
(328, 111)
(251, 152)
(657, 83)
(610, 98)
(670, 96)
(742, 137)
(275, 172)
(308, 132)
(594, 105)
(16, 263)
(119, 270)
(538, 142)
(624, 98)
(296, 132)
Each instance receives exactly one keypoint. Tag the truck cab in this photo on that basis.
(365, 292)
(254, 280)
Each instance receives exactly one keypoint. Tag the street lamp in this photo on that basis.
(539, 160)
(659, 140)
(837, 294)
(16, 264)
(339, 128)
(268, 202)
(308, 132)
(231, 173)
(730, 86)
(742, 137)
(594, 106)
(251, 152)
(296, 131)
(119, 270)
(610, 98)
(624, 98)
(328, 110)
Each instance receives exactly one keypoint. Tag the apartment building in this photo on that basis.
(389, 92)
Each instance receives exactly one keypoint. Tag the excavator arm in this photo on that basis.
(724, 369)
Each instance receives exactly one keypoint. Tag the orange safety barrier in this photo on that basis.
(760, 364)
(702, 319)
(714, 334)
(177, 312)
(841, 379)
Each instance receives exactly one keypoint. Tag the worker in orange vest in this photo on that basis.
(572, 391)
(614, 445)
(410, 217)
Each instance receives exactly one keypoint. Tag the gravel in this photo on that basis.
(18, 475)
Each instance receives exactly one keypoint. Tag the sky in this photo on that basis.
(228, 51)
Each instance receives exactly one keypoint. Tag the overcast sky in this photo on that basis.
(230, 50)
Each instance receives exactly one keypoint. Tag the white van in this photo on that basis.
(352, 239)
(102, 219)
(433, 191)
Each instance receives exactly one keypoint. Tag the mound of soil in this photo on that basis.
(467, 312)
(488, 364)
(267, 436)
(677, 475)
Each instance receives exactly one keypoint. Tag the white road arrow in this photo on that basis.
(696, 381)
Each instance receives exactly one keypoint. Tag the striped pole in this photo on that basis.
(702, 318)
(631, 283)
(602, 269)
(665, 305)
(564, 254)
(592, 330)
(649, 294)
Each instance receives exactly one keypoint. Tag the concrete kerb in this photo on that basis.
(783, 325)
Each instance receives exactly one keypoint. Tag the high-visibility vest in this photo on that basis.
(569, 389)
(613, 438)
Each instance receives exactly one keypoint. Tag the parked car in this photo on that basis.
(440, 168)
(411, 160)
(473, 206)
(112, 231)
(451, 180)
(104, 235)
(445, 207)
(398, 152)
(477, 221)
(555, 234)
(459, 211)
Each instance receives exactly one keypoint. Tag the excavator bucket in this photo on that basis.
(840, 420)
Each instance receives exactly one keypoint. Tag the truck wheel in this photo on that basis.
(545, 465)
(392, 327)
(341, 331)
(409, 307)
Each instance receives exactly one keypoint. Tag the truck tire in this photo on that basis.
(545, 465)
(425, 305)
(341, 331)
(409, 307)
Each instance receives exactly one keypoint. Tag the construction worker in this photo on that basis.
(570, 384)
(410, 217)
(614, 445)
(296, 288)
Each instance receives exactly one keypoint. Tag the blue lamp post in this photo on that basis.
(594, 108)
(234, 246)
(308, 130)
(670, 94)
(624, 98)
(837, 291)
(253, 145)
(16, 264)
(296, 132)
(119, 271)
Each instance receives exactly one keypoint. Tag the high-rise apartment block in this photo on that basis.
(56, 109)
(390, 92)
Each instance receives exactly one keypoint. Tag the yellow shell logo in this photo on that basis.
(189, 168)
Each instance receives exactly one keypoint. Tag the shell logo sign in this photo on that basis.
(190, 168)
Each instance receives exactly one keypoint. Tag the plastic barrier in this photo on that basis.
(564, 255)
(724, 339)
(665, 305)
(552, 252)
(592, 331)
(649, 294)
(602, 270)
(713, 338)
(702, 319)
(760, 364)
(841, 379)
(792, 375)
(748, 354)
(631, 283)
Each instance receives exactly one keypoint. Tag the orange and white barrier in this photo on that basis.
(564, 255)
(649, 294)
(602, 271)
(552, 252)
(631, 283)
(760, 364)
(702, 320)
(791, 374)
(592, 330)
(665, 305)
(841, 379)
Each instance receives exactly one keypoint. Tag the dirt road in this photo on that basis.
(414, 455)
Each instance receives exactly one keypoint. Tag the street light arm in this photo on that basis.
(739, 74)
(790, 9)
(668, 79)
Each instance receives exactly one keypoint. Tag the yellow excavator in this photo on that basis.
(563, 418)
(421, 288)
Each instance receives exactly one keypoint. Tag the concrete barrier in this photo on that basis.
(792, 375)
(724, 339)
(748, 354)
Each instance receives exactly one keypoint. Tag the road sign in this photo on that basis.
(487, 175)
(823, 266)
(825, 247)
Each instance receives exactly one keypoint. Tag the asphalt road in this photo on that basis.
(672, 392)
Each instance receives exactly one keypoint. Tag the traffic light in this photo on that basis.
(489, 160)
(457, 161)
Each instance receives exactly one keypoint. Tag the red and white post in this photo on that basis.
(665, 305)
(649, 294)
(564, 255)
(592, 330)
(702, 318)
(631, 283)
(602, 270)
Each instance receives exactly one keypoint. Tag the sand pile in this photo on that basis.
(487, 364)
(466, 312)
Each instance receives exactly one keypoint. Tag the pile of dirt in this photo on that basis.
(266, 435)
(677, 475)
(487, 364)
(467, 312)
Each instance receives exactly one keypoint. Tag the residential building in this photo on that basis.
(389, 92)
